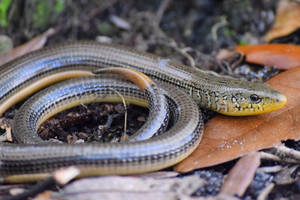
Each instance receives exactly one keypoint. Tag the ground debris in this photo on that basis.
(93, 123)
(116, 187)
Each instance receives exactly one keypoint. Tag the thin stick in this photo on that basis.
(266, 191)
(161, 10)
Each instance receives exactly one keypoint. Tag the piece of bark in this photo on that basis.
(226, 138)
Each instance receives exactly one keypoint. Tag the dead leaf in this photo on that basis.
(226, 138)
(34, 44)
(5, 124)
(287, 20)
(44, 195)
(128, 187)
(280, 56)
(241, 175)
(285, 176)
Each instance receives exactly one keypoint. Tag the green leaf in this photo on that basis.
(4, 5)
(59, 6)
(243, 42)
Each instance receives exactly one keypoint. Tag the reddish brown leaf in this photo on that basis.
(226, 138)
(287, 20)
(281, 56)
(241, 175)
(34, 44)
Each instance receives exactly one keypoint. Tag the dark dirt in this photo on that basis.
(205, 26)
(94, 122)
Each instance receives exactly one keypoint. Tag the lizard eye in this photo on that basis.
(254, 98)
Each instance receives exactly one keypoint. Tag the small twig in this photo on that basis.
(272, 169)
(265, 192)
(183, 51)
(107, 125)
(225, 66)
(237, 62)
(272, 157)
(161, 10)
(110, 118)
(214, 29)
(268, 156)
(188, 56)
(283, 151)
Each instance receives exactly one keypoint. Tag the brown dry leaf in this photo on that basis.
(44, 195)
(34, 44)
(287, 20)
(226, 138)
(280, 56)
(241, 175)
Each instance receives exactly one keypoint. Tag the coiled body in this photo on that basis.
(37, 156)
(30, 73)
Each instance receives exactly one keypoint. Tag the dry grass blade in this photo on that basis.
(124, 136)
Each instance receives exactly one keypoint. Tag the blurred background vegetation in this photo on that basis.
(206, 25)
